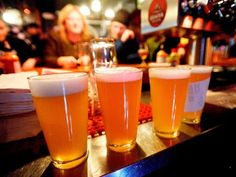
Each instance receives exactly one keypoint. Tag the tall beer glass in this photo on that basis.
(119, 91)
(103, 54)
(199, 82)
(61, 102)
(168, 93)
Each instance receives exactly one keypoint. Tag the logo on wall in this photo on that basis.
(157, 12)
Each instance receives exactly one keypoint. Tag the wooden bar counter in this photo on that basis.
(207, 148)
(208, 145)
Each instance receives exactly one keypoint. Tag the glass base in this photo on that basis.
(70, 164)
(173, 134)
(191, 121)
(123, 147)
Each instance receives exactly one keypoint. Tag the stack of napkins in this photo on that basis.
(15, 96)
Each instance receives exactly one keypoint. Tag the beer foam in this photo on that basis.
(58, 84)
(169, 73)
(201, 69)
(197, 68)
(118, 74)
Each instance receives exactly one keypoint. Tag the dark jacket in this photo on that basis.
(232, 51)
(127, 52)
(22, 49)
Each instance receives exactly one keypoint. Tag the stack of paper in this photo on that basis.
(15, 96)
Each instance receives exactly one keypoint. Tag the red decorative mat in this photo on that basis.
(96, 126)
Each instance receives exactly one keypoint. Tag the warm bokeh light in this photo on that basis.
(109, 13)
(85, 10)
(27, 11)
(12, 16)
(184, 41)
(96, 6)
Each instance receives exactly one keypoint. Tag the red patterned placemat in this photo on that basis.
(96, 126)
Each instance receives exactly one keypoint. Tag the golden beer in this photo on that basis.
(199, 82)
(168, 93)
(119, 91)
(61, 102)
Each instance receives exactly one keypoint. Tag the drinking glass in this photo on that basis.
(61, 102)
(119, 91)
(169, 88)
(198, 86)
(103, 52)
(143, 52)
(83, 53)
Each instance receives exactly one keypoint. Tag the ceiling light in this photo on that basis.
(96, 5)
(109, 13)
(12, 16)
(85, 10)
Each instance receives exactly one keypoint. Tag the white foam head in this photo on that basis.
(118, 74)
(197, 68)
(58, 84)
(169, 73)
(201, 69)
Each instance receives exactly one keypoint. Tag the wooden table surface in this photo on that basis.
(101, 160)
(29, 157)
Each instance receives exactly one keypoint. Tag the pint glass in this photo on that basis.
(119, 92)
(103, 52)
(168, 93)
(199, 82)
(61, 102)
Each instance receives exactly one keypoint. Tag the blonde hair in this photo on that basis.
(5, 29)
(85, 35)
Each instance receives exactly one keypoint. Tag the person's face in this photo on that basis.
(117, 29)
(3, 31)
(74, 23)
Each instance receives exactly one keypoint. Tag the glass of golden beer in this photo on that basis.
(119, 92)
(61, 102)
(168, 93)
(199, 82)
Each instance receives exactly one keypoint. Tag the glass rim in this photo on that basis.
(102, 39)
(53, 76)
(169, 68)
(117, 70)
(169, 72)
(198, 68)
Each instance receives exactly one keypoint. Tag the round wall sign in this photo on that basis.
(157, 12)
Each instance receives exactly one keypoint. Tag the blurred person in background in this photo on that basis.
(35, 37)
(10, 43)
(125, 41)
(135, 24)
(62, 45)
(154, 43)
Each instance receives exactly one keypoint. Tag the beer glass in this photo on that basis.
(61, 102)
(143, 52)
(103, 52)
(199, 82)
(119, 92)
(168, 93)
(83, 53)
